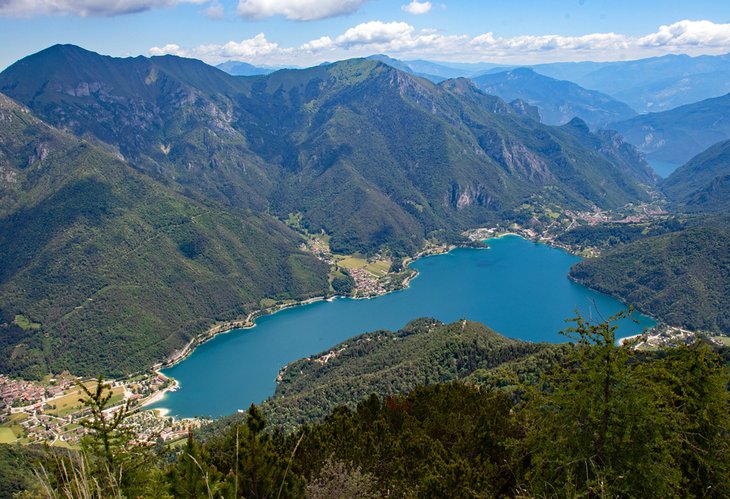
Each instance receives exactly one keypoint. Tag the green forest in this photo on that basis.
(681, 277)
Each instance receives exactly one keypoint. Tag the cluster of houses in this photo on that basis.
(15, 393)
(150, 427)
(366, 283)
(31, 405)
(319, 248)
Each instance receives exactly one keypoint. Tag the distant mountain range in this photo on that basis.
(675, 136)
(646, 85)
(238, 68)
(558, 101)
(141, 196)
(610, 91)
(650, 85)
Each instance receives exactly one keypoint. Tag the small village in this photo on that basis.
(546, 225)
(50, 412)
(371, 275)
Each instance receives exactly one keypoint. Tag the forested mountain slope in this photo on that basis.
(682, 278)
(114, 270)
(374, 156)
(703, 183)
(424, 352)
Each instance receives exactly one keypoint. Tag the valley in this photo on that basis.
(395, 260)
(474, 283)
(165, 249)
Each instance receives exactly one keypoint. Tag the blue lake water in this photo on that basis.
(517, 287)
(662, 168)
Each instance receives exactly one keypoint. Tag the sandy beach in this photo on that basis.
(159, 395)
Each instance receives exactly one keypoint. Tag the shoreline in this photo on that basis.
(160, 394)
(250, 321)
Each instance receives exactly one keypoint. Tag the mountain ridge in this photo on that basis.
(258, 142)
(676, 135)
(558, 100)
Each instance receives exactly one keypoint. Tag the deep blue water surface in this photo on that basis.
(516, 287)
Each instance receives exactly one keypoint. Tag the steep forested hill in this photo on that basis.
(703, 183)
(114, 270)
(681, 277)
(424, 352)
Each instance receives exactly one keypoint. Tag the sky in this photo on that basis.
(298, 33)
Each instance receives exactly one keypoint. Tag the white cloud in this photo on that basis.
(530, 43)
(416, 7)
(376, 32)
(402, 40)
(257, 49)
(215, 10)
(320, 44)
(298, 10)
(687, 33)
(169, 49)
(83, 8)
(395, 37)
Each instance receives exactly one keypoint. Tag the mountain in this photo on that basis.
(682, 278)
(141, 197)
(240, 68)
(429, 155)
(650, 85)
(422, 69)
(104, 269)
(376, 157)
(425, 351)
(167, 116)
(434, 71)
(558, 101)
(703, 183)
(675, 136)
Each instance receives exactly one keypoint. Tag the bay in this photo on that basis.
(516, 287)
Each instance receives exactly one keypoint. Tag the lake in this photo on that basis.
(662, 168)
(517, 287)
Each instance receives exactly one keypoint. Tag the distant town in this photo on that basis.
(50, 412)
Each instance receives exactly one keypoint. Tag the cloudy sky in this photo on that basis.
(307, 32)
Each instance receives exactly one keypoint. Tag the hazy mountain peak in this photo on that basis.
(558, 101)
(578, 125)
